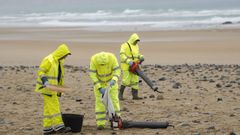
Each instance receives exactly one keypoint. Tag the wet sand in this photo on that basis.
(27, 46)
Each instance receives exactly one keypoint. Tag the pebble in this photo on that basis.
(160, 97)
(211, 128)
(196, 134)
(162, 79)
(211, 81)
(125, 109)
(204, 78)
(114, 133)
(176, 85)
(219, 99)
(218, 85)
(237, 109)
(152, 96)
(228, 85)
(67, 109)
(2, 121)
(196, 121)
(78, 100)
(196, 108)
(185, 125)
(28, 128)
(232, 81)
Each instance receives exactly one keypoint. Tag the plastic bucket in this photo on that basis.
(74, 121)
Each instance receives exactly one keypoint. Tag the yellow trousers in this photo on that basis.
(52, 115)
(129, 79)
(99, 106)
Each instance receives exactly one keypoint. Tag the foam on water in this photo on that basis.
(140, 18)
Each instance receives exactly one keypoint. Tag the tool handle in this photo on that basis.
(58, 88)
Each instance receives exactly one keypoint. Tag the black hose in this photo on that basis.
(147, 124)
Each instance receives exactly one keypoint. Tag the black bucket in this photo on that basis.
(74, 121)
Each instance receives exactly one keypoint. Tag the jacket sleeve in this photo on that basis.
(123, 55)
(140, 56)
(116, 70)
(44, 68)
(93, 74)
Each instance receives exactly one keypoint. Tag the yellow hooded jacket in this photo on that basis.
(49, 68)
(102, 74)
(126, 53)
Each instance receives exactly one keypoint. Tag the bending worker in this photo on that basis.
(104, 71)
(50, 78)
(129, 53)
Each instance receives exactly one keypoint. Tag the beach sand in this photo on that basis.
(195, 98)
(28, 46)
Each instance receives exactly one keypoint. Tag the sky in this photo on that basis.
(16, 6)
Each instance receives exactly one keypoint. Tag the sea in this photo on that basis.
(121, 15)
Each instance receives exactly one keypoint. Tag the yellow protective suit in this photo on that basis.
(104, 68)
(128, 54)
(49, 68)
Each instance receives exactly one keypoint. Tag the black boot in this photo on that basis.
(120, 94)
(135, 95)
(63, 130)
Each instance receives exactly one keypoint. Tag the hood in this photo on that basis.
(102, 58)
(133, 38)
(61, 51)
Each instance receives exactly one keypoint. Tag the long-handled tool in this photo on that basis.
(136, 70)
(116, 121)
(58, 88)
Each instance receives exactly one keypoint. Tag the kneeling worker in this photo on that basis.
(104, 71)
(50, 84)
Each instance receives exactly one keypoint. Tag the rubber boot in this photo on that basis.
(120, 94)
(135, 95)
(101, 127)
(63, 130)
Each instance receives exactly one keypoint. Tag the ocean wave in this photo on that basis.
(129, 17)
(132, 11)
(98, 13)
(100, 23)
(128, 13)
(165, 23)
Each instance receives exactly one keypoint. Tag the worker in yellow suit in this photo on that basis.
(51, 73)
(104, 70)
(129, 53)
